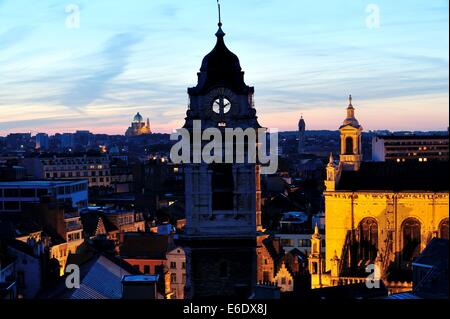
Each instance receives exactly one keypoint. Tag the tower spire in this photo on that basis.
(220, 33)
(316, 231)
(350, 108)
(220, 16)
(331, 159)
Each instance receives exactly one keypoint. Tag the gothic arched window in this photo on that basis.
(368, 239)
(443, 229)
(349, 145)
(411, 232)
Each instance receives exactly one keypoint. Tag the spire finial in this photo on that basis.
(316, 230)
(219, 33)
(331, 159)
(350, 99)
(220, 16)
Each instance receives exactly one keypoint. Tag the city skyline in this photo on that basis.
(96, 75)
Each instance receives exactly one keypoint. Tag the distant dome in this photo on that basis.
(138, 118)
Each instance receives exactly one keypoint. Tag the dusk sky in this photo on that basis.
(303, 57)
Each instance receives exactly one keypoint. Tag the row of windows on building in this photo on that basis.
(420, 159)
(74, 168)
(23, 192)
(416, 142)
(288, 242)
(74, 236)
(75, 174)
(75, 161)
(39, 192)
(411, 238)
(173, 265)
(17, 205)
(125, 220)
(174, 279)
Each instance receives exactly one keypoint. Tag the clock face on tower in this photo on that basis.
(221, 105)
(219, 102)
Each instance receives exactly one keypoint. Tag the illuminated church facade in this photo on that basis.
(138, 126)
(377, 213)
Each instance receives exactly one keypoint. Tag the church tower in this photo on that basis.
(301, 135)
(315, 260)
(223, 200)
(332, 174)
(351, 142)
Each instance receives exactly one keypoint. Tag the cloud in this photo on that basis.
(168, 10)
(14, 35)
(113, 60)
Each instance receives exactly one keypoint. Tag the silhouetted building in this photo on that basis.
(223, 204)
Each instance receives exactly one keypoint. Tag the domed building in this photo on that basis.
(138, 126)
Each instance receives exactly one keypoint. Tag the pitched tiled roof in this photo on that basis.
(91, 222)
(100, 277)
(101, 280)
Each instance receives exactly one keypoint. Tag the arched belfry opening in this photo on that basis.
(222, 186)
(349, 146)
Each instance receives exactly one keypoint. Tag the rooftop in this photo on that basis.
(41, 183)
(145, 246)
(390, 176)
(140, 278)
(413, 137)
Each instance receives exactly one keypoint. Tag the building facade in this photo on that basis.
(15, 195)
(176, 262)
(94, 168)
(410, 148)
(380, 214)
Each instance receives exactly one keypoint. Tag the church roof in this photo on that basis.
(351, 119)
(220, 59)
(393, 176)
(138, 118)
(220, 68)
